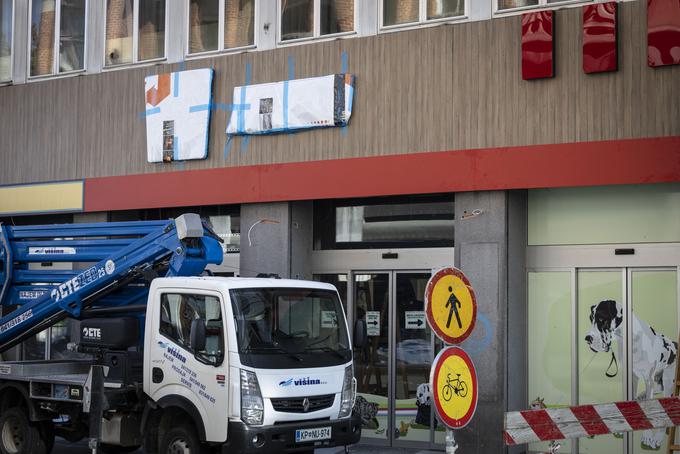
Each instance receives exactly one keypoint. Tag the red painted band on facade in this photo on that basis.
(634, 161)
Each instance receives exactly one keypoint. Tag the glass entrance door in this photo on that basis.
(393, 369)
(600, 335)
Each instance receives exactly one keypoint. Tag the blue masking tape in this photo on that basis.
(244, 144)
(176, 85)
(291, 67)
(148, 112)
(344, 63)
(227, 146)
(291, 76)
(241, 114)
(199, 108)
(231, 107)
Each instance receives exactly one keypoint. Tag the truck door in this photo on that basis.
(177, 369)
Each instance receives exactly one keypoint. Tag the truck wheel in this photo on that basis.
(18, 435)
(181, 439)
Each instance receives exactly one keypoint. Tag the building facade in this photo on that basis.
(552, 195)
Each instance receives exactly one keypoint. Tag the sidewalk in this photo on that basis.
(364, 449)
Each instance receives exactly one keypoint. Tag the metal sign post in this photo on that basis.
(451, 312)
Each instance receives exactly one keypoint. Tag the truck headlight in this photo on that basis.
(349, 386)
(252, 406)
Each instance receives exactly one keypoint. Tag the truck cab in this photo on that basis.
(252, 365)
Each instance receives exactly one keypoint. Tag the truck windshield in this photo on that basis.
(291, 326)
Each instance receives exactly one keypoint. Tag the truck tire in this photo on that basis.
(18, 435)
(182, 439)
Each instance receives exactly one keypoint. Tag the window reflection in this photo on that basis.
(337, 16)
(151, 29)
(72, 36)
(203, 25)
(5, 40)
(239, 19)
(119, 14)
(297, 19)
(407, 222)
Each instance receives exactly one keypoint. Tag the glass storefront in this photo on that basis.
(393, 369)
(603, 324)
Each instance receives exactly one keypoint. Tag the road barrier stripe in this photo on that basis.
(588, 420)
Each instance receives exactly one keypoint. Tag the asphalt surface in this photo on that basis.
(63, 447)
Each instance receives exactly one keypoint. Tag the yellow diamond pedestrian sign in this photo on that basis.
(450, 305)
(453, 381)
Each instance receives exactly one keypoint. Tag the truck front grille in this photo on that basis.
(297, 404)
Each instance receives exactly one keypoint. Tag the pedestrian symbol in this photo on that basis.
(450, 305)
(454, 304)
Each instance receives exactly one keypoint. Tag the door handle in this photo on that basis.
(157, 375)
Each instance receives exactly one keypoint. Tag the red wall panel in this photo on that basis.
(633, 161)
(599, 38)
(663, 32)
(537, 45)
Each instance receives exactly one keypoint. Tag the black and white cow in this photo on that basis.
(654, 355)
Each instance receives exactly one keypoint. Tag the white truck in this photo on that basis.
(174, 364)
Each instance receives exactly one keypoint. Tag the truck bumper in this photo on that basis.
(280, 438)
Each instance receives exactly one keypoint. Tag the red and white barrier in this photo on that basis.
(587, 420)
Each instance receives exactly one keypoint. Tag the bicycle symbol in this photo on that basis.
(455, 386)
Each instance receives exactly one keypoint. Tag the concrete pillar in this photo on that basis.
(490, 248)
(276, 238)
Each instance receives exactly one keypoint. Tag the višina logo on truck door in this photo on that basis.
(305, 381)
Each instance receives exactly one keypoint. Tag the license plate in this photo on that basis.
(305, 435)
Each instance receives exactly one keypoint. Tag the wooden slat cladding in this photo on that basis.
(450, 87)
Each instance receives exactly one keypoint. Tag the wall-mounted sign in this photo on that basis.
(415, 319)
(316, 102)
(177, 115)
(450, 305)
(373, 323)
(453, 381)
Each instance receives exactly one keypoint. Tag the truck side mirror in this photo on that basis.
(197, 335)
(360, 334)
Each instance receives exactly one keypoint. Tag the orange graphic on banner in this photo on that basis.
(156, 95)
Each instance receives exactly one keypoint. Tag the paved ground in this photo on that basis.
(62, 447)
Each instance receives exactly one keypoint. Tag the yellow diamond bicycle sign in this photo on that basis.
(453, 381)
(450, 305)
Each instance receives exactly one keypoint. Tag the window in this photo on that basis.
(232, 20)
(390, 222)
(511, 4)
(135, 31)
(179, 310)
(5, 40)
(291, 327)
(402, 12)
(57, 36)
(315, 18)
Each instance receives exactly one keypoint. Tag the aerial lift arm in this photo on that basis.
(123, 253)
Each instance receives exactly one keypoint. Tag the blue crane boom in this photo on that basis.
(113, 263)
